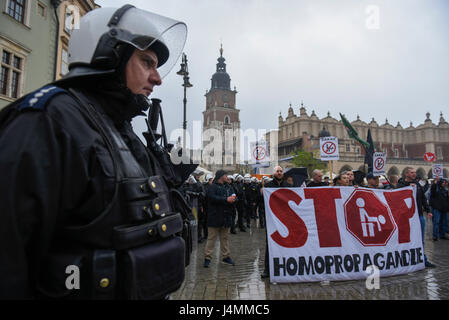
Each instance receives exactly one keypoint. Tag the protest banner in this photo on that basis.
(336, 233)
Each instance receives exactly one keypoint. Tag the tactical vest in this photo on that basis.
(135, 248)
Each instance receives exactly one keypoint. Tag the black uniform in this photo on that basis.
(79, 188)
(240, 204)
(251, 202)
(231, 190)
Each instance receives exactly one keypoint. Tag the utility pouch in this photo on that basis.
(103, 274)
(153, 270)
(131, 236)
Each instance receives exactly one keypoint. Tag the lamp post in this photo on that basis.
(185, 73)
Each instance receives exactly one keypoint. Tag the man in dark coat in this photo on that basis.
(220, 202)
(317, 177)
(277, 182)
(409, 179)
(439, 201)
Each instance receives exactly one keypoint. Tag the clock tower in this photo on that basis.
(221, 121)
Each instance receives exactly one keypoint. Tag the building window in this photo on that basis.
(439, 153)
(348, 147)
(10, 74)
(64, 61)
(41, 9)
(396, 153)
(226, 120)
(3, 80)
(358, 150)
(16, 9)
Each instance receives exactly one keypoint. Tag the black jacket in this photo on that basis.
(219, 210)
(277, 184)
(421, 199)
(439, 198)
(58, 176)
(315, 184)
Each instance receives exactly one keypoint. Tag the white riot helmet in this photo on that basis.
(247, 176)
(94, 48)
(208, 177)
(239, 177)
(230, 177)
(254, 179)
(235, 175)
(191, 179)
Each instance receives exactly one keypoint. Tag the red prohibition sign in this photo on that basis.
(329, 147)
(259, 153)
(429, 157)
(379, 163)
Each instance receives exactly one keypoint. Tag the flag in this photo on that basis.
(369, 152)
(352, 133)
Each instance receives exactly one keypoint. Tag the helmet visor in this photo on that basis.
(147, 30)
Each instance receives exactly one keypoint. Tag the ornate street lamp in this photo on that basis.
(185, 73)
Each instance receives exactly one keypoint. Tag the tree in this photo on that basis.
(305, 159)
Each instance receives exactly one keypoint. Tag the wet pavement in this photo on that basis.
(243, 281)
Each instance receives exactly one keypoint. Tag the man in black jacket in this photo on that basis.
(439, 201)
(421, 201)
(277, 182)
(317, 177)
(220, 202)
(82, 198)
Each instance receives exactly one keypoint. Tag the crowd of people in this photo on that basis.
(229, 202)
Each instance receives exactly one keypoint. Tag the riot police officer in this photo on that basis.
(240, 203)
(79, 189)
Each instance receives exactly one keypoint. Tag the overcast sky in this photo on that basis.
(381, 59)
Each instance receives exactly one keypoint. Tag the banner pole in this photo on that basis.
(330, 171)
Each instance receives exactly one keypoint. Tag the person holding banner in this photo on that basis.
(421, 201)
(350, 175)
(341, 180)
(277, 182)
(439, 201)
(317, 176)
(373, 181)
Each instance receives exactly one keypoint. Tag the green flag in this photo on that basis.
(352, 133)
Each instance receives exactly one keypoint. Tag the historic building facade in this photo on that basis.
(405, 146)
(221, 123)
(34, 36)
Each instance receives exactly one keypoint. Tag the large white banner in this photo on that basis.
(336, 233)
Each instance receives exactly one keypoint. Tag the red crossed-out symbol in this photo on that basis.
(437, 171)
(329, 147)
(429, 157)
(259, 153)
(379, 163)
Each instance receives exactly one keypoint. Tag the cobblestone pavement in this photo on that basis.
(243, 281)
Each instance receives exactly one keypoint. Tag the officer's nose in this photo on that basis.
(155, 78)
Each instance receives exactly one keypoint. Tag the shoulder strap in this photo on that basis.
(38, 99)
